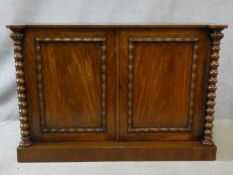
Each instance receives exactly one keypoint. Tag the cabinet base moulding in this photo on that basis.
(115, 151)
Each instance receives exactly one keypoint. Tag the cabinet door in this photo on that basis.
(71, 84)
(161, 94)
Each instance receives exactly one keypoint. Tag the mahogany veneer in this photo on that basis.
(116, 92)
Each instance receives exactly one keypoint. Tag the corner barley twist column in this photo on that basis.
(215, 36)
(17, 38)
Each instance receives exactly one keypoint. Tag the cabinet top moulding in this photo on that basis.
(158, 26)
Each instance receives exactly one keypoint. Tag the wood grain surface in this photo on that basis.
(162, 97)
(74, 95)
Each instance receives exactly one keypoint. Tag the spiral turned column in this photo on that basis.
(215, 36)
(17, 38)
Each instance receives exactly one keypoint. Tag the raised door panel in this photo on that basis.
(161, 75)
(73, 97)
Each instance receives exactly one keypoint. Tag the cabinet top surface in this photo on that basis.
(69, 26)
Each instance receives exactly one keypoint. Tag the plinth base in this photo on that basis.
(115, 151)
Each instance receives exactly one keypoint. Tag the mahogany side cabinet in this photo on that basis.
(116, 92)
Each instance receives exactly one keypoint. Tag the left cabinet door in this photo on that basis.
(71, 79)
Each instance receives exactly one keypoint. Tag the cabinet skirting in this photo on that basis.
(115, 151)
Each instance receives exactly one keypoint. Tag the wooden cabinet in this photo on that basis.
(97, 93)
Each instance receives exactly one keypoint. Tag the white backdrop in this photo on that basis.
(110, 12)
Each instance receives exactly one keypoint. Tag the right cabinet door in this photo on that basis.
(162, 76)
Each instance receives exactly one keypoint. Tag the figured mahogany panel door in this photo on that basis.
(71, 84)
(161, 84)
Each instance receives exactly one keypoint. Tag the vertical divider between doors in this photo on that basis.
(117, 85)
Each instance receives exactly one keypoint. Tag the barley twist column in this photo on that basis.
(17, 38)
(216, 36)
